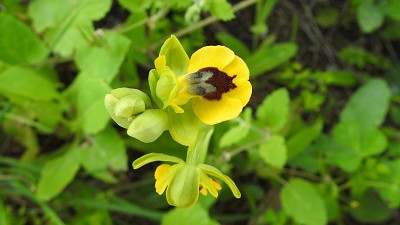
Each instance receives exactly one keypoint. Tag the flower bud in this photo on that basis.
(149, 125)
(125, 103)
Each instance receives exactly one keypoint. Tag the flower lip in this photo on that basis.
(210, 83)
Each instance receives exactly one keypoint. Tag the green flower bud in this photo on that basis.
(149, 125)
(183, 191)
(124, 103)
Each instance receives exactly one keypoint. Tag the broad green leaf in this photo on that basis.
(87, 93)
(370, 209)
(221, 9)
(176, 57)
(233, 43)
(299, 141)
(273, 151)
(270, 57)
(183, 216)
(105, 155)
(234, 135)
(26, 83)
(391, 184)
(392, 9)
(67, 24)
(303, 203)
(369, 17)
(368, 105)
(103, 61)
(367, 142)
(58, 172)
(18, 44)
(274, 110)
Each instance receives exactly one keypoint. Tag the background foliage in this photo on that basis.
(318, 143)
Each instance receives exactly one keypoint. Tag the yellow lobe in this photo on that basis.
(161, 171)
(237, 67)
(210, 56)
(213, 112)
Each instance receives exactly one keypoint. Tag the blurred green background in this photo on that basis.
(319, 142)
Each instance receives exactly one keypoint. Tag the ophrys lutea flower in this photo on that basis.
(216, 82)
(183, 181)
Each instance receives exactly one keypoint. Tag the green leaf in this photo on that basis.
(106, 154)
(67, 25)
(270, 57)
(368, 105)
(221, 9)
(370, 209)
(391, 183)
(234, 135)
(299, 141)
(369, 17)
(273, 111)
(183, 216)
(233, 43)
(327, 17)
(26, 83)
(366, 141)
(273, 151)
(303, 203)
(88, 93)
(135, 6)
(103, 61)
(18, 44)
(177, 59)
(58, 172)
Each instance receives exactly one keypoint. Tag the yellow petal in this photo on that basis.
(161, 171)
(213, 112)
(237, 67)
(216, 184)
(210, 56)
(242, 91)
(203, 190)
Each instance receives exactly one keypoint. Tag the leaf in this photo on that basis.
(233, 43)
(87, 93)
(57, 173)
(273, 151)
(270, 57)
(367, 142)
(390, 192)
(106, 154)
(221, 9)
(26, 83)
(18, 44)
(369, 17)
(135, 6)
(273, 111)
(368, 105)
(302, 202)
(183, 216)
(103, 61)
(299, 141)
(67, 24)
(234, 135)
(370, 209)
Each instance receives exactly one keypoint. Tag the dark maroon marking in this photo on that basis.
(221, 81)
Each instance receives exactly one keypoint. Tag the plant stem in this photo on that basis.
(197, 153)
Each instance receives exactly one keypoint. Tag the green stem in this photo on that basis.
(198, 151)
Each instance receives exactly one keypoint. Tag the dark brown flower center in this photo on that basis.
(220, 80)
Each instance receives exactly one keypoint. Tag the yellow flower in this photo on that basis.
(217, 83)
(184, 182)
